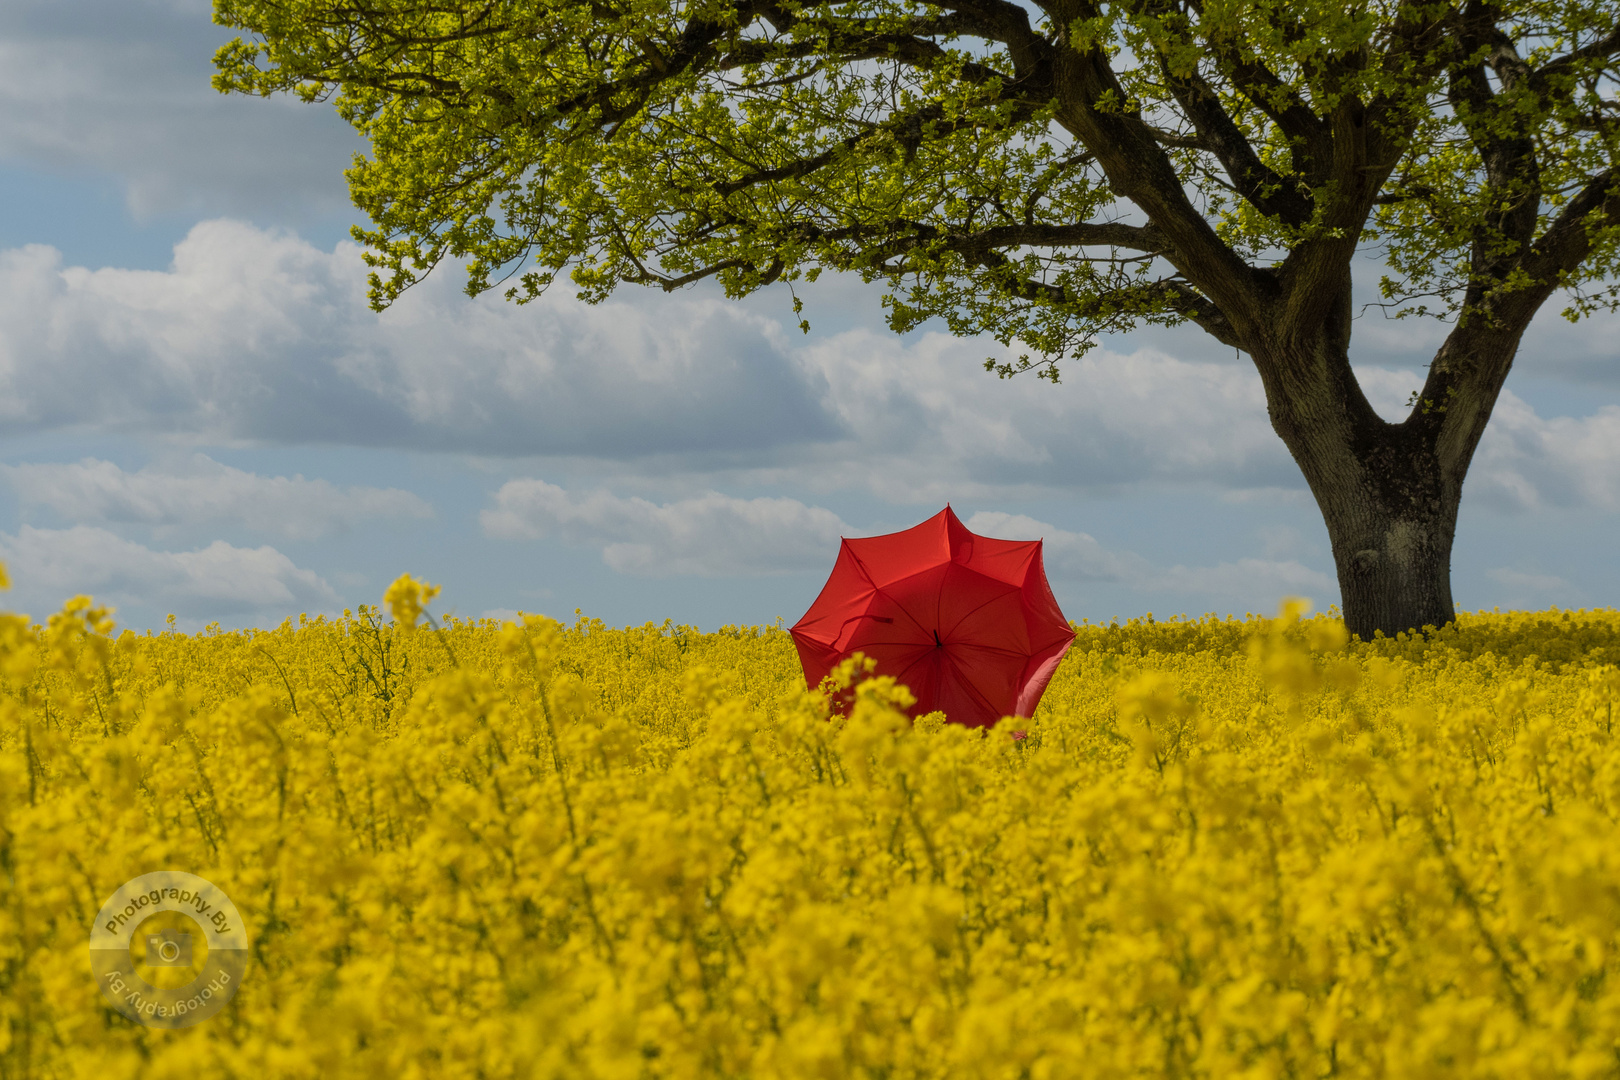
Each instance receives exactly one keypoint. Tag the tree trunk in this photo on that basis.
(1392, 528)
(1387, 493)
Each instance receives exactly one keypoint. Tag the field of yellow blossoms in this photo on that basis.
(1221, 849)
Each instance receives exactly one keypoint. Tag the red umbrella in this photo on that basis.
(967, 622)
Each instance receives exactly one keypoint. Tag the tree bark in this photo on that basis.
(1391, 522)
(1388, 492)
(1389, 503)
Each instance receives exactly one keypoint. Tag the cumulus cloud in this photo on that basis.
(1389, 390)
(204, 491)
(1530, 588)
(1263, 581)
(712, 535)
(1077, 557)
(122, 86)
(1071, 556)
(716, 535)
(928, 424)
(1526, 581)
(260, 336)
(216, 581)
(1527, 462)
(256, 335)
(1581, 352)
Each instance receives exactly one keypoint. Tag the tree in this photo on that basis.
(1038, 172)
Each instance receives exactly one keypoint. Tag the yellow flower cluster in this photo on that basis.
(1221, 849)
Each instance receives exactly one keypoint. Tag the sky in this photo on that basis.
(200, 416)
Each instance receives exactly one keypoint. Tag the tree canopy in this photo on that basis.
(1040, 172)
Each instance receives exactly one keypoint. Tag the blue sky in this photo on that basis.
(200, 415)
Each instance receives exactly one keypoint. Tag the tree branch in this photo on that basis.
(1203, 313)
(1568, 240)
(1500, 131)
(1095, 108)
(1251, 178)
(982, 247)
(909, 47)
(1548, 74)
(1086, 234)
(905, 128)
(1469, 369)
(1281, 103)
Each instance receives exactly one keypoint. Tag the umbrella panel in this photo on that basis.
(957, 638)
(969, 623)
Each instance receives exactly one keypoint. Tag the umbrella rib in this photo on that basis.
(903, 676)
(997, 649)
(871, 580)
(972, 688)
(987, 603)
(866, 571)
(883, 589)
(921, 629)
(941, 578)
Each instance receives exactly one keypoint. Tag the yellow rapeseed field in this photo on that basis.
(1221, 849)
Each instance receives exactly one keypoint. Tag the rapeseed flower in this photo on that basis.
(1220, 848)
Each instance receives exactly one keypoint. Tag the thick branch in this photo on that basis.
(1472, 364)
(905, 128)
(1549, 74)
(1568, 240)
(1008, 23)
(1282, 104)
(1087, 234)
(1501, 133)
(1095, 108)
(911, 48)
(1251, 178)
(1202, 312)
(982, 247)
(644, 276)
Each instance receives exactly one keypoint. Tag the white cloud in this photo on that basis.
(928, 424)
(1389, 390)
(1067, 555)
(49, 565)
(1072, 556)
(1527, 462)
(122, 86)
(1522, 581)
(715, 535)
(1276, 540)
(203, 490)
(1517, 587)
(712, 535)
(1582, 352)
(258, 336)
(1264, 581)
(254, 335)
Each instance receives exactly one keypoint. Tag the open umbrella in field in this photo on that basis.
(967, 622)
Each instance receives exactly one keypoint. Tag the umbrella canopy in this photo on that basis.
(967, 622)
